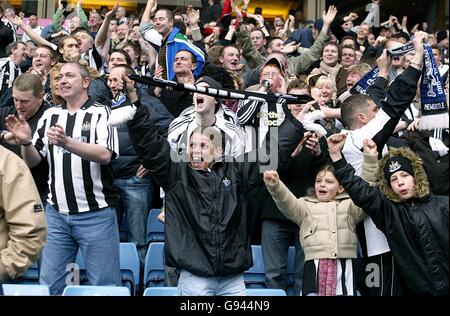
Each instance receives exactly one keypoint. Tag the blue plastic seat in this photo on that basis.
(31, 276)
(155, 229)
(91, 290)
(265, 292)
(160, 291)
(154, 265)
(25, 290)
(129, 267)
(255, 277)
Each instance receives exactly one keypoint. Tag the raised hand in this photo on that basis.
(419, 38)
(335, 144)
(193, 15)
(384, 62)
(415, 28)
(154, 7)
(290, 47)
(405, 20)
(370, 148)
(328, 17)
(271, 177)
(113, 11)
(352, 16)
(130, 87)
(16, 21)
(236, 11)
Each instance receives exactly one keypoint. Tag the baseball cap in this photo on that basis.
(274, 60)
(318, 25)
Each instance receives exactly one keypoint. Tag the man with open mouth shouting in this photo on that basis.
(207, 221)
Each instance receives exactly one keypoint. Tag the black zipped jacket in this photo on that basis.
(207, 226)
(417, 229)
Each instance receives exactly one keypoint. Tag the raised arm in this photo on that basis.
(102, 33)
(56, 19)
(37, 39)
(151, 148)
(299, 64)
(83, 17)
(193, 19)
(367, 197)
(287, 203)
(250, 53)
(150, 9)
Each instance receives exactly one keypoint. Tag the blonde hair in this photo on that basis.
(360, 69)
(323, 80)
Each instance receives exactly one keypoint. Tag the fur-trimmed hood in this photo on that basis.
(422, 186)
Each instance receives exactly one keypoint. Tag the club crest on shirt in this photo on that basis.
(226, 182)
(86, 127)
(394, 166)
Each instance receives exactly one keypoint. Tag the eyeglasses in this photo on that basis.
(270, 74)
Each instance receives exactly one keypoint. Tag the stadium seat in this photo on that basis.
(129, 267)
(265, 292)
(31, 276)
(154, 265)
(25, 290)
(90, 290)
(255, 277)
(160, 291)
(155, 229)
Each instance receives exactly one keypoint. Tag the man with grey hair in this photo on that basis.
(80, 210)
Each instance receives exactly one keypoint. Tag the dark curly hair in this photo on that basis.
(219, 74)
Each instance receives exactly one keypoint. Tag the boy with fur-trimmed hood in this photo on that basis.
(414, 221)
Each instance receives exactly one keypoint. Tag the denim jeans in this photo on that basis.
(275, 240)
(135, 201)
(192, 285)
(95, 233)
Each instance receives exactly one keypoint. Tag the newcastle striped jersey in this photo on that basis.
(78, 185)
(182, 127)
(8, 73)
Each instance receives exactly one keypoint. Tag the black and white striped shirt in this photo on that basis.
(12, 27)
(78, 185)
(8, 73)
(182, 127)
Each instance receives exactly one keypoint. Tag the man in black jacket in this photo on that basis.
(28, 94)
(207, 223)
